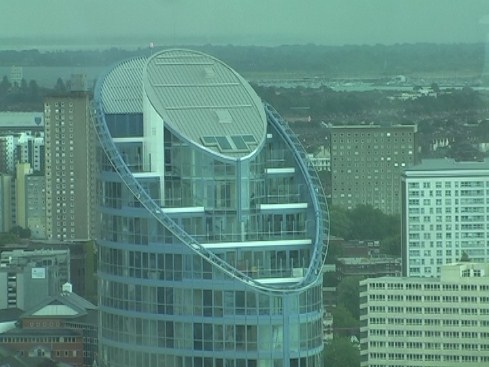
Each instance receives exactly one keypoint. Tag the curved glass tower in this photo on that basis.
(213, 225)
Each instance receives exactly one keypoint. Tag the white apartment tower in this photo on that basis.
(30, 149)
(445, 213)
(7, 154)
(426, 322)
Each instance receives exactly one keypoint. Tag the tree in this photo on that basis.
(344, 324)
(21, 232)
(465, 258)
(334, 252)
(330, 279)
(391, 245)
(340, 222)
(8, 238)
(435, 87)
(60, 85)
(5, 85)
(340, 352)
(348, 295)
(368, 222)
(33, 90)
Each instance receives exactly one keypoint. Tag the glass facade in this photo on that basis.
(241, 288)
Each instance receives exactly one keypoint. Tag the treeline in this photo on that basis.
(324, 60)
(14, 236)
(365, 222)
(35, 57)
(325, 103)
(26, 96)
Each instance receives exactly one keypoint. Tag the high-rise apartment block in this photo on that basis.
(6, 194)
(445, 213)
(69, 157)
(212, 224)
(366, 163)
(21, 172)
(426, 322)
(35, 203)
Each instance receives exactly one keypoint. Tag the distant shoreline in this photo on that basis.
(83, 44)
(419, 64)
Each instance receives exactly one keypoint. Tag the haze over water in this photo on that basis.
(128, 23)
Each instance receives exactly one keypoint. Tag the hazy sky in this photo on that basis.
(250, 21)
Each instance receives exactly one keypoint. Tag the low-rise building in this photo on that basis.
(426, 321)
(368, 267)
(321, 159)
(29, 276)
(61, 327)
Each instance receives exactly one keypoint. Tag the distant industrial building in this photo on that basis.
(445, 213)
(366, 163)
(426, 322)
(69, 156)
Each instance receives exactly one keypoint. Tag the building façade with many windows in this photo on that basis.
(421, 321)
(213, 225)
(367, 162)
(445, 214)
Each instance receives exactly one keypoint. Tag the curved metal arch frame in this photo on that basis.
(314, 183)
(320, 206)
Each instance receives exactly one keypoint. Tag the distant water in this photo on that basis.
(46, 76)
(69, 45)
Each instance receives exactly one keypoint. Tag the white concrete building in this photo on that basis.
(445, 213)
(426, 321)
(24, 147)
(30, 148)
(321, 159)
(7, 154)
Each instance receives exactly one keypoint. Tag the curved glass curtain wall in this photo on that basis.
(163, 304)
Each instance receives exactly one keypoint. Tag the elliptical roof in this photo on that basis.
(122, 90)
